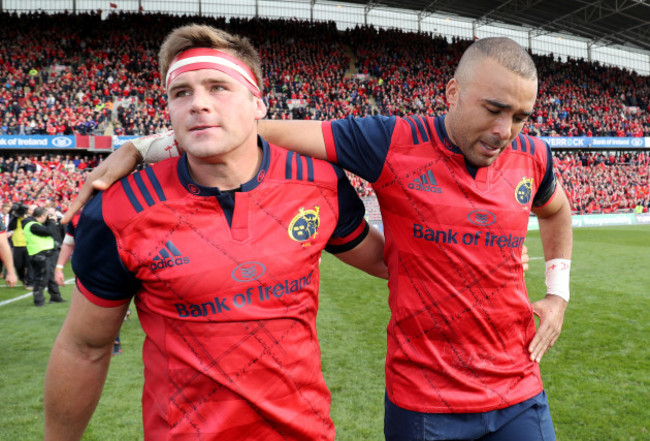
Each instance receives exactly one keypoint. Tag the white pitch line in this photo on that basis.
(28, 294)
(6, 302)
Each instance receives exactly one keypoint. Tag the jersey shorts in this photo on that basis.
(226, 287)
(461, 319)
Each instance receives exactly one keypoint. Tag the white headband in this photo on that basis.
(207, 58)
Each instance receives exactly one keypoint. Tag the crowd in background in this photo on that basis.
(605, 183)
(45, 180)
(80, 74)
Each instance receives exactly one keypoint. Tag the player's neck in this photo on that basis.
(228, 171)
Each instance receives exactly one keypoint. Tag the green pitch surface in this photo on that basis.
(597, 376)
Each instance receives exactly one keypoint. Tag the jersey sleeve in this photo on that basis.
(548, 185)
(101, 276)
(352, 227)
(359, 145)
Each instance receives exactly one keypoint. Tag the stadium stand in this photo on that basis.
(83, 75)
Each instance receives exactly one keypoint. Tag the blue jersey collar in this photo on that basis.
(196, 189)
(444, 137)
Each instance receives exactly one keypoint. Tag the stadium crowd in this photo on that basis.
(81, 74)
(46, 180)
(605, 183)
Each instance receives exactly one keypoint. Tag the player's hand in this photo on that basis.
(59, 277)
(550, 311)
(118, 164)
(524, 257)
(11, 279)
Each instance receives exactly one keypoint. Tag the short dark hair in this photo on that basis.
(505, 51)
(196, 35)
(38, 212)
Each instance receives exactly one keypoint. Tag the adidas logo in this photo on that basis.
(167, 257)
(425, 182)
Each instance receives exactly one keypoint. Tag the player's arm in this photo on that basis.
(557, 240)
(304, 137)
(354, 241)
(368, 256)
(78, 366)
(8, 260)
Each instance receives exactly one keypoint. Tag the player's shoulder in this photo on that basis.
(140, 192)
(528, 145)
(413, 129)
(292, 166)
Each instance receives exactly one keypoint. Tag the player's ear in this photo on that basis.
(452, 91)
(260, 113)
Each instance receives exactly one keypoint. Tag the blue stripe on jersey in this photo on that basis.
(129, 193)
(143, 189)
(526, 143)
(414, 132)
(532, 145)
(298, 167)
(523, 142)
(298, 159)
(289, 165)
(310, 168)
(155, 183)
(422, 127)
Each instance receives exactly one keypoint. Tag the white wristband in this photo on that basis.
(59, 266)
(155, 148)
(557, 277)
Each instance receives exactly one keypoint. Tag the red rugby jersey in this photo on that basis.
(226, 291)
(460, 320)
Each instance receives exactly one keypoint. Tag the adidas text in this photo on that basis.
(169, 262)
(424, 187)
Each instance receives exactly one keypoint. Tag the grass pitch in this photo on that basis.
(597, 376)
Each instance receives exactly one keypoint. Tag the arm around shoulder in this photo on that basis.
(368, 256)
(304, 137)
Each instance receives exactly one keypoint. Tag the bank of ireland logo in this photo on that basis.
(305, 224)
(248, 271)
(524, 191)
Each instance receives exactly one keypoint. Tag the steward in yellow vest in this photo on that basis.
(17, 217)
(39, 238)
